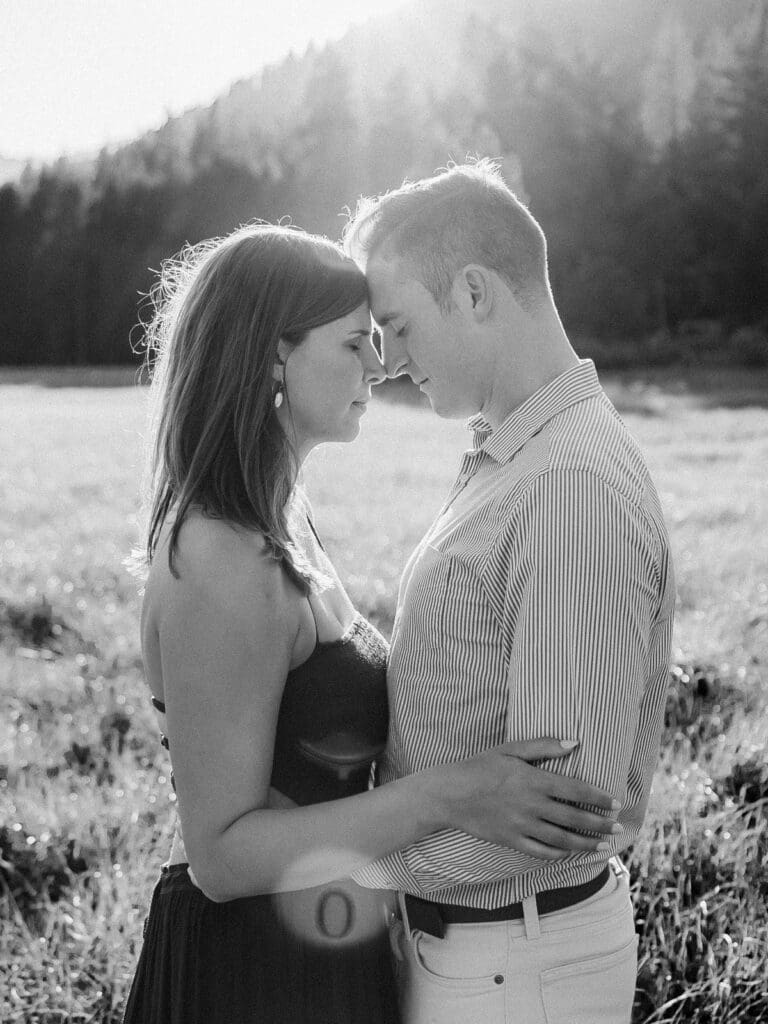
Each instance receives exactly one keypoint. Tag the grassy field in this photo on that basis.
(86, 806)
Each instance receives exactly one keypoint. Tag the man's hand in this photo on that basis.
(502, 797)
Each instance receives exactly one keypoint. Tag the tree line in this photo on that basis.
(657, 253)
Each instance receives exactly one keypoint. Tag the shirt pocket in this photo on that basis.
(424, 605)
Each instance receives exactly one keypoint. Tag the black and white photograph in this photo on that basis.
(383, 511)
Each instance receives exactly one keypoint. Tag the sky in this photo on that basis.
(79, 74)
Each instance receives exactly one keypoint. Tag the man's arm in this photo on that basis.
(574, 584)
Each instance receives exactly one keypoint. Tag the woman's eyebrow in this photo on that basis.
(362, 332)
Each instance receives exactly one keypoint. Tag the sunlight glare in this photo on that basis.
(80, 75)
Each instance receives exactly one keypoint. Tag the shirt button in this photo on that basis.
(499, 979)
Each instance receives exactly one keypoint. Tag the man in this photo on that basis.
(539, 602)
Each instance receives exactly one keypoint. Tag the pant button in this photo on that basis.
(499, 979)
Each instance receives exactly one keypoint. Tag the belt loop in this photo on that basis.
(531, 917)
(404, 915)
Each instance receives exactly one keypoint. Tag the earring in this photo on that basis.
(279, 392)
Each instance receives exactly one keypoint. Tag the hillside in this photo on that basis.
(636, 131)
(670, 55)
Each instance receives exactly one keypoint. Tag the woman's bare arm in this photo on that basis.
(227, 630)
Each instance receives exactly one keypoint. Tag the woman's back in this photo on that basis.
(235, 558)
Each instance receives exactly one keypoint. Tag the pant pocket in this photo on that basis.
(433, 991)
(470, 974)
(593, 990)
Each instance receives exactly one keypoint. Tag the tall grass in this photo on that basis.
(86, 808)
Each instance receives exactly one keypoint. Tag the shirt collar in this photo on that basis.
(567, 389)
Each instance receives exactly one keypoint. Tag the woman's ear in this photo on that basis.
(278, 367)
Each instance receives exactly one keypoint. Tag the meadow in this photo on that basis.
(86, 806)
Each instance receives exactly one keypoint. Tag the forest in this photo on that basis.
(658, 247)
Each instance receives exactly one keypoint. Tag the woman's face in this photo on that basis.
(327, 381)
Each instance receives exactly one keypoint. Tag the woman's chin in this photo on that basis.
(351, 432)
(346, 432)
(351, 426)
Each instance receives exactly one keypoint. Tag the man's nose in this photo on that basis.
(373, 369)
(393, 355)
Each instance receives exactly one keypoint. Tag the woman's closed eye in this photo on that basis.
(356, 342)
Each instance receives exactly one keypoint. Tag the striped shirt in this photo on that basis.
(539, 603)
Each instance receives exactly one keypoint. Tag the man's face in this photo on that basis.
(419, 339)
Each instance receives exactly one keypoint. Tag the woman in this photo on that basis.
(270, 686)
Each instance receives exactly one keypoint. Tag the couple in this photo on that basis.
(521, 699)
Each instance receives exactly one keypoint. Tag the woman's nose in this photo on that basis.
(373, 368)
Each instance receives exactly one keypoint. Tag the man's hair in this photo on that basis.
(465, 214)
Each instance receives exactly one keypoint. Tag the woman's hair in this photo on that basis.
(220, 309)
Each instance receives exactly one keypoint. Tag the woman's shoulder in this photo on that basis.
(214, 558)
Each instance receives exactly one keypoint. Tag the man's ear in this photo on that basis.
(474, 285)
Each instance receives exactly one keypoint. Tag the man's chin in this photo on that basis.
(445, 410)
(433, 399)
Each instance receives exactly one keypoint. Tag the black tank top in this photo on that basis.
(333, 716)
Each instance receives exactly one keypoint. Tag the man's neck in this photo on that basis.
(515, 379)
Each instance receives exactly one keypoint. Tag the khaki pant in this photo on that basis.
(575, 966)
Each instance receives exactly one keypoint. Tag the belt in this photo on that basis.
(425, 916)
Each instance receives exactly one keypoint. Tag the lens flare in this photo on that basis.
(336, 915)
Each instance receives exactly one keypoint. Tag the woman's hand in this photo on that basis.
(500, 797)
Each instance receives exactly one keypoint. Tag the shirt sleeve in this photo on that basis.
(574, 584)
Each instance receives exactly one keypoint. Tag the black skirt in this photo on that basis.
(319, 956)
